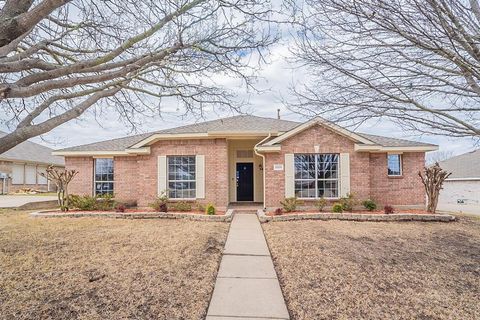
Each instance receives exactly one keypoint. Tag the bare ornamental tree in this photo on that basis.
(58, 58)
(432, 178)
(416, 62)
(61, 178)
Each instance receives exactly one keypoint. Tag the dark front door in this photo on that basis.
(245, 181)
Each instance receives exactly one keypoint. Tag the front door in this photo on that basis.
(244, 181)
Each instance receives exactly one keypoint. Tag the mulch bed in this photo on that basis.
(410, 211)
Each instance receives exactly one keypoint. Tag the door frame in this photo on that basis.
(253, 180)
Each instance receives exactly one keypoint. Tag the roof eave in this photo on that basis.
(379, 148)
(105, 153)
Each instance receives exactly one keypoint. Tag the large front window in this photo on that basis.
(103, 176)
(394, 165)
(316, 175)
(181, 177)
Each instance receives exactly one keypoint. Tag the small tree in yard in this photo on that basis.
(61, 179)
(433, 178)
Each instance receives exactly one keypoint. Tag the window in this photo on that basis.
(103, 176)
(394, 165)
(316, 175)
(181, 177)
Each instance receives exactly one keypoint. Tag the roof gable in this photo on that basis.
(464, 166)
(319, 121)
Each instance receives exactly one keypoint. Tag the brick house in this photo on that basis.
(251, 159)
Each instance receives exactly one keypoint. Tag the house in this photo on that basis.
(249, 158)
(21, 165)
(461, 191)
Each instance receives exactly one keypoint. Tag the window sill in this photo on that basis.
(182, 199)
(395, 177)
(314, 199)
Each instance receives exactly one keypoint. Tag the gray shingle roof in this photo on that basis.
(31, 152)
(241, 123)
(466, 165)
(392, 142)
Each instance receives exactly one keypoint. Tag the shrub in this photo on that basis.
(337, 207)
(348, 202)
(210, 210)
(83, 203)
(104, 202)
(160, 204)
(278, 212)
(290, 204)
(321, 204)
(120, 207)
(369, 204)
(388, 209)
(182, 206)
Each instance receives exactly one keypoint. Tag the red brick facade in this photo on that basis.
(136, 177)
(368, 171)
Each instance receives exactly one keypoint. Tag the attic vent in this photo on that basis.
(244, 153)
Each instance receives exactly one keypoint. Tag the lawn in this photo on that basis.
(374, 270)
(94, 268)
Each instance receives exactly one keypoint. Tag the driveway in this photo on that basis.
(460, 208)
(7, 201)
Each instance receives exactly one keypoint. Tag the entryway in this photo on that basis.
(244, 176)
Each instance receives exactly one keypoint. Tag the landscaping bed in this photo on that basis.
(107, 269)
(351, 270)
(138, 214)
(355, 216)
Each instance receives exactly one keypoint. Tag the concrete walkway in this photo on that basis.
(14, 201)
(247, 286)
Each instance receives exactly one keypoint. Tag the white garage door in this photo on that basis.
(460, 196)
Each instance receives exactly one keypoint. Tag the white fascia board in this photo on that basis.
(126, 152)
(463, 179)
(265, 148)
(379, 148)
(168, 136)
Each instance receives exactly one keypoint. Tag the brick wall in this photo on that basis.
(405, 190)
(368, 172)
(82, 184)
(136, 177)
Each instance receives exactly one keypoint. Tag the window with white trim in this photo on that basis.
(103, 176)
(181, 177)
(394, 165)
(316, 175)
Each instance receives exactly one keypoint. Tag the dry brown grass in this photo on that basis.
(89, 268)
(374, 270)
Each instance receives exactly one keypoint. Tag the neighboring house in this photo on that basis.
(21, 165)
(461, 191)
(249, 158)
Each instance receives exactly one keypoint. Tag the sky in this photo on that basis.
(274, 82)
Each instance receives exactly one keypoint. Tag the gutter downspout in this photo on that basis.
(264, 168)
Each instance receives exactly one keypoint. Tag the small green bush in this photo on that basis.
(321, 204)
(160, 204)
(337, 207)
(289, 204)
(210, 210)
(104, 202)
(369, 204)
(83, 203)
(348, 202)
(182, 206)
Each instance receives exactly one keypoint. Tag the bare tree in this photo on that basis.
(58, 58)
(432, 179)
(61, 178)
(438, 156)
(416, 62)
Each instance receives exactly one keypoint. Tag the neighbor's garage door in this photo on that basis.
(460, 196)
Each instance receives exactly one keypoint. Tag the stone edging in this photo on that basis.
(227, 217)
(356, 217)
